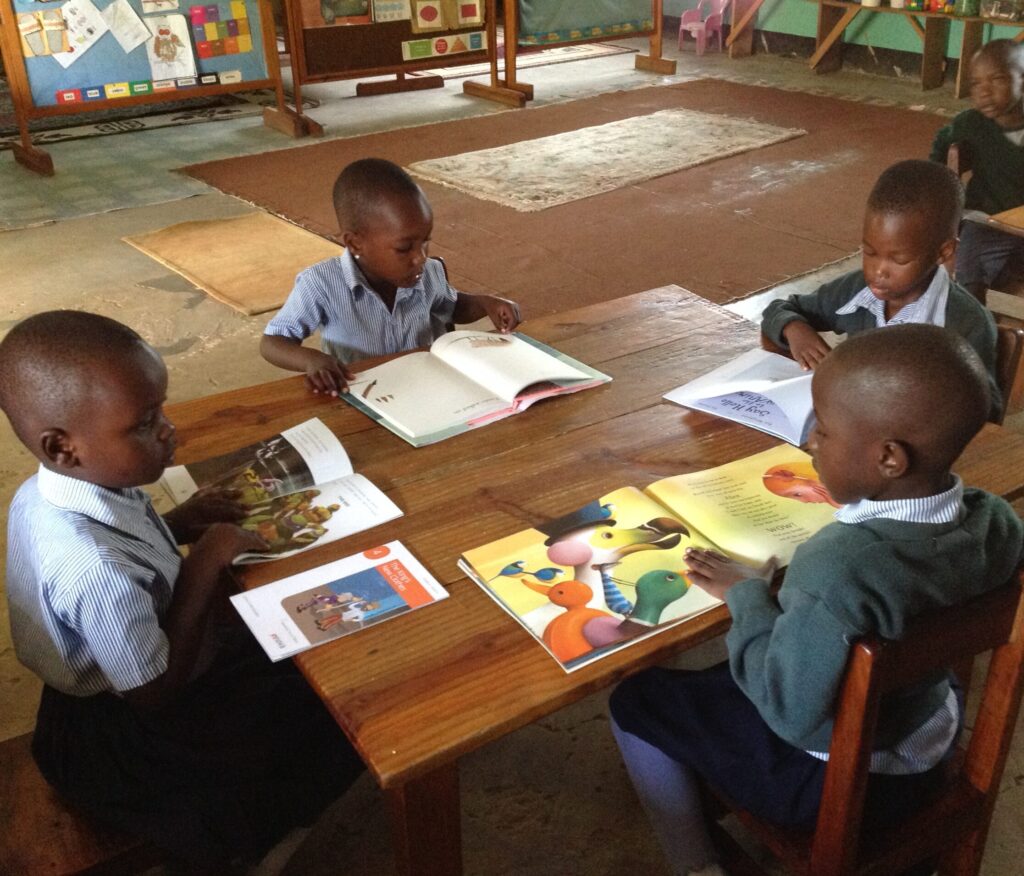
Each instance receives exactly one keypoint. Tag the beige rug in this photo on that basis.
(536, 174)
(248, 262)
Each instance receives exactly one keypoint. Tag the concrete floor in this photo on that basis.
(549, 800)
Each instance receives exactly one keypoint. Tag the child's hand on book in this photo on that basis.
(222, 542)
(807, 347)
(715, 573)
(206, 506)
(502, 312)
(325, 375)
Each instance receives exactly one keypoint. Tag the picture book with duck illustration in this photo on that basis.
(470, 378)
(759, 389)
(590, 582)
(298, 488)
(336, 599)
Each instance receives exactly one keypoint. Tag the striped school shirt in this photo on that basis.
(929, 309)
(928, 744)
(334, 297)
(90, 574)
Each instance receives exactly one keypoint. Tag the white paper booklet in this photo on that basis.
(467, 379)
(333, 600)
(759, 389)
(298, 487)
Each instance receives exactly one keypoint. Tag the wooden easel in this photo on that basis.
(39, 161)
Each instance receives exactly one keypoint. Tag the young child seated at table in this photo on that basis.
(990, 140)
(159, 715)
(895, 407)
(382, 295)
(910, 228)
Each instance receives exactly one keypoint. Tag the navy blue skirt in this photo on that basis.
(247, 753)
(703, 720)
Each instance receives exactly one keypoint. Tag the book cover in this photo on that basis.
(471, 378)
(763, 390)
(334, 600)
(611, 572)
(298, 487)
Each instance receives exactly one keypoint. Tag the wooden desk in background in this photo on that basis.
(418, 692)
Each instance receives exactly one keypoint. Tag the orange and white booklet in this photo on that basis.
(336, 599)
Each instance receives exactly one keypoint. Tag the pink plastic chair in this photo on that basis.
(692, 22)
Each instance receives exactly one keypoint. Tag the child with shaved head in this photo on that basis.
(382, 295)
(895, 407)
(910, 231)
(156, 716)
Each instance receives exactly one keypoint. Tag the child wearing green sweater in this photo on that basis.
(894, 408)
(990, 138)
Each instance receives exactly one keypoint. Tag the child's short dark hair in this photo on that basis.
(925, 187)
(46, 359)
(362, 185)
(1005, 52)
(916, 378)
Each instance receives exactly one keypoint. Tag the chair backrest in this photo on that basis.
(1009, 359)
(693, 16)
(718, 7)
(994, 621)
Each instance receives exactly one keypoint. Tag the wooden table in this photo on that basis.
(416, 693)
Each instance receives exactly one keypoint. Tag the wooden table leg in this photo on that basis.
(741, 33)
(426, 824)
(832, 21)
(971, 42)
(933, 57)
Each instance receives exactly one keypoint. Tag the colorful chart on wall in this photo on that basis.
(88, 50)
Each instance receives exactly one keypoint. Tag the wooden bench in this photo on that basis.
(43, 836)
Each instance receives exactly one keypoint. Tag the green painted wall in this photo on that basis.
(800, 17)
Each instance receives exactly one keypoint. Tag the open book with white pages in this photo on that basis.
(759, 389)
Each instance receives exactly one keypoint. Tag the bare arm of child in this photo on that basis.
(200, 584)
(206, 506)
(502, 312)
(807, 347)
(324, 373)
(715, 573)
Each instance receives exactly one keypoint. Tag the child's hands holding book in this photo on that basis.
(325, 375)
(715, 573)
(502, 312)
(806, 346)
(206, 506)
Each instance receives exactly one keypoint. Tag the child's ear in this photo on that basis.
(947, 249)
(57, 448)
(893, 459)
(352, 241)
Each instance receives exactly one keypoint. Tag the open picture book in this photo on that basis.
(336, 599)
(611, 573)
(465, 380)
(298, 487)
(759, 389)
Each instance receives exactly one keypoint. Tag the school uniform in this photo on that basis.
(354, 322)
(245, 753)
(847, 306)
(759, 726)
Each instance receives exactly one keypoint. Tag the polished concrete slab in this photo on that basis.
(549, 800)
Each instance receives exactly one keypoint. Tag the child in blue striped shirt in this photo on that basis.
(156, 716)
(382, 295)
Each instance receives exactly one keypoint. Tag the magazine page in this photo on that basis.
(298, 458)
(316, 516)
(763, 505)
(336, 599)
(759, 389)
(505, 364)
(592, 581)
(419, 394)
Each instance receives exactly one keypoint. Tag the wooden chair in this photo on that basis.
(1009, 359)
(954, 824)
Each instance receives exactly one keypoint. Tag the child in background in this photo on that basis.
(895, 408)
(990, 138)
(157, 716)
(910, 228)
(382, 295)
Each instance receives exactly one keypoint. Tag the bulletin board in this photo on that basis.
(74, 56)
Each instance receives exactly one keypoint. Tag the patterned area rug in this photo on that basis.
(536, 174)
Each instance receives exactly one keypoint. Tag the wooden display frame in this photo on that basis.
(281, 117)
(508, 89)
